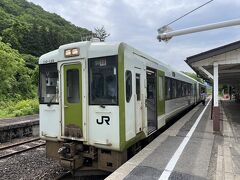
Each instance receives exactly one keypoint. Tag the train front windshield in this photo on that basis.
(48, 84)
(103, 81)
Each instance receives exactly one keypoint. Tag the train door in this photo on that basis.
(72, 101)
(138, 98)
(151, 101)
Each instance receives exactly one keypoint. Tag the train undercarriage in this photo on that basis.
(76, 157)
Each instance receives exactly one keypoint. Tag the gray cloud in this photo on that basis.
(135, 22)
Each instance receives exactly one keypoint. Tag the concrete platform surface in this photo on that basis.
(18, 121)
(207, 155)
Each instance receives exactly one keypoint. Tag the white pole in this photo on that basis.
(170, 34)
(215, 85)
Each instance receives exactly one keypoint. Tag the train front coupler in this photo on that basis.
(70, 155)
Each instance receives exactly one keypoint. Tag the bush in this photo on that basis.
(20, 108)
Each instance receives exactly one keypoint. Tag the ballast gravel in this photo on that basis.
(31, 164)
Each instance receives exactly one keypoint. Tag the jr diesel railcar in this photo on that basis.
(97, 100)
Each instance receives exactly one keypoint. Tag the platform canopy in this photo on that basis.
(219, 65)
(227, 58)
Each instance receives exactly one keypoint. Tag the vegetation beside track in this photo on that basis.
(18, 83)
(20, 108)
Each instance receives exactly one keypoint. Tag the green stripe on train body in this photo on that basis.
(122, 130)
(160, 100)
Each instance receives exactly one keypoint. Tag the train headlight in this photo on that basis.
(72, 52)
(67, 53)
(75, 52)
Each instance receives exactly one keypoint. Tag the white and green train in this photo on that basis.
(99, 100)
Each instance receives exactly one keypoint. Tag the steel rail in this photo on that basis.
(20, 151)
(19, 143)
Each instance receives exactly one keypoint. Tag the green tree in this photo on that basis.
(15, 77)
(194, 76)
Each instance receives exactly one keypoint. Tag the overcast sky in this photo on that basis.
(136, 22)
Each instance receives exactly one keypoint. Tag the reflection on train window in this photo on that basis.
(73, 86)
(128, 85)
(103, 81)
(138, 90)
(48, 84)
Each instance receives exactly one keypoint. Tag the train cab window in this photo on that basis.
(103, 81)
(48, 84)
(128, 75)
(73, 86)
(138, 87)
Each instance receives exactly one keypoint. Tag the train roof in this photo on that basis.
(87, 49)
(98, 49)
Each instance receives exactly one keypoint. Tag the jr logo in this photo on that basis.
(104, 118)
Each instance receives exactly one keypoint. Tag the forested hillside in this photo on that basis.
(26, 32)
(31, 30)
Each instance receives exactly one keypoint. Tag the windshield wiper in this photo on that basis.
(102, 106)
(50, 102)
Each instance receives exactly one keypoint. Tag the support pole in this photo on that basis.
(216, 109)
(212, 105)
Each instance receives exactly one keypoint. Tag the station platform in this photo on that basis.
(11, 128)
(189, 149)
(7, 122)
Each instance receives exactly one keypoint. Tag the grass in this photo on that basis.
(20, 108)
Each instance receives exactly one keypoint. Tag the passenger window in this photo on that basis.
(168, 88)
(174, 88)
(189, 89)
(138, 90)
(179, 89)
(73, 86)
(184, 87)
(183, 92)
(128, 75)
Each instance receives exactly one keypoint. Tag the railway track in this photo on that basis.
(16, 148)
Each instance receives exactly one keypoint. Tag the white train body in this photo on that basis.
(106, 97)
